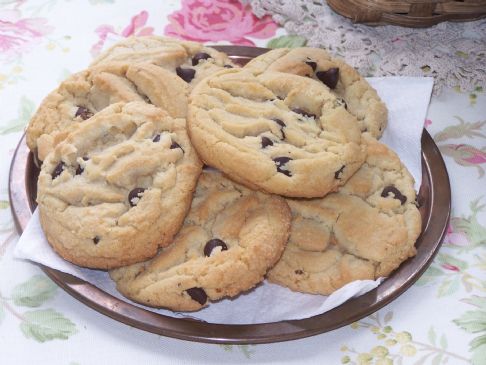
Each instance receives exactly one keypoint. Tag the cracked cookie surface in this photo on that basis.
(229, 240)
(118, 187)
(191, 61)
(364, 231)
(84, 94)
(344, 81)
(277, 132)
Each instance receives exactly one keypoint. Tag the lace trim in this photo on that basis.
(454, 53)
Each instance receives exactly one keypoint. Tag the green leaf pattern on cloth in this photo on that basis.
(34, 292)
(399, 346)
(474, 321)
(25, 111)
(454, 268)
(40, 325)
(287, 41)
(46, 324)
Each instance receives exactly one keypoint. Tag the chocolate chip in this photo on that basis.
(84, 113)
(304, 113)
(330, 77)
(340, 102)
(96, 240)
(282, 125)
(312, 64)
(58, 170)
(176, 145)
(299, 272)
(212, 244)
(199, 57)
(198, 294)
(156, 138)
(135, 194)
(187, 74)
(280, 98)
(396, 193)
(266, 142)
(228, 66)
(338, 173)
(280, 162)
(80, 169)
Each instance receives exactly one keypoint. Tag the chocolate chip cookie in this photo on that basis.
(191, 61)
(84, 94)
(229, 240)
(359, 98)
(278, 132)
(118, 187)
(364, 231)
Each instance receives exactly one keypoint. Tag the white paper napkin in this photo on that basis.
(407, 99)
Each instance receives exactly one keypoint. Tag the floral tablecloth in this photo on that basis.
(441, 319)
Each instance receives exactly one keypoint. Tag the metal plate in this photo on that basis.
(434, 199)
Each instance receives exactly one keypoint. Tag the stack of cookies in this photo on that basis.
(296, 187)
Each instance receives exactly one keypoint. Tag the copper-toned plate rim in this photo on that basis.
(435, 209)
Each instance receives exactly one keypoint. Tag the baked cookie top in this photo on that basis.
(364, 231)
(360, 99)
(229, 240)
(191, 61)
(118, 187)
(85, 93)
(278, 132)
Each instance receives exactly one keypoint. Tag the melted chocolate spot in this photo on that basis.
(282, 126)
(134, 194)
(330, 77)
(198, 294)
(299, 272)
(312, 64)
(212, 244)
(341, 102)
(338, 173)
(199, 57)
(58, 170)
(228, 66)
(96, 239)
(176, 145)
(156, 138)
(266, 142)
(84, 113)
(280, 162)
(80, 169)
(396, 193)
(304, 113)
(187, 74)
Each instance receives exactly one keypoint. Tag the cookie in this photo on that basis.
(281, 133)
(84, 94)
(118, 187)
(344, 81)
(229, 240)
(364, 231)
(191, 61)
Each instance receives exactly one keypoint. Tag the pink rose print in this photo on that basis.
(466, 155)
(450, 267)
(427, 123)
(219, 20)
(455, 237)
(17, 35)
(136, 27)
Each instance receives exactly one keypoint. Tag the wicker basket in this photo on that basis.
(409, 13)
